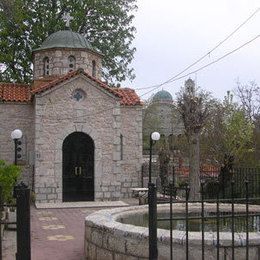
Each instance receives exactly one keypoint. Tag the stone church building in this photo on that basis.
(161, 115)
(82, 140)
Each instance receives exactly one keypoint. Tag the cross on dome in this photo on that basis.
(67, 18)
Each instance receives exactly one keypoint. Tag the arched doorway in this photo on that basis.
(78, 167)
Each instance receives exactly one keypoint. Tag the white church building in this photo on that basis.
(82, 140)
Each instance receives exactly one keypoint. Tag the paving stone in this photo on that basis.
(53, 227)
(63, 237)
(60, 237)
(73, 220)
(47, 218)
(59, 244)
(9, 245)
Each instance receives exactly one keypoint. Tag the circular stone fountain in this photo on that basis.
(107, 238)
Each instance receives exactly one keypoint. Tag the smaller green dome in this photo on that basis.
(65, 39)
(162, 96)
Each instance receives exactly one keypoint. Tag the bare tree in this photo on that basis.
(193, 106)
(249, 97)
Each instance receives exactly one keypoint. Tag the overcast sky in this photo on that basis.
(173, 34)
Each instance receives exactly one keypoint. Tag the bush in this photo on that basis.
(9, 174)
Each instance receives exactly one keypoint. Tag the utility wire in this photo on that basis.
(44, 117)
(175, 78)
(217, 60)
(205, 66)
(204, 56)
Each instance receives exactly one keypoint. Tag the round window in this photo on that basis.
(78, 95)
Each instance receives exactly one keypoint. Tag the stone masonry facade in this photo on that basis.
(54, 115)
(20, 116)
(59, 63)
(68, 96)
(57, 115)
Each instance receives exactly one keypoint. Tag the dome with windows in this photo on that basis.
(65, 39)
(163, 96)
(65, 51)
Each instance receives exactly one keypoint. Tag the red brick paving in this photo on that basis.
(44, 249)
(72, 219)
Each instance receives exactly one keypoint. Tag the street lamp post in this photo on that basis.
(155, 136)
(152, 201)
(15, 135)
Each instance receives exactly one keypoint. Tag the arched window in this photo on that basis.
(46, 66)
(72, 63)
(94, 69)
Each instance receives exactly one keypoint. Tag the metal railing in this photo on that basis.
(203, 216)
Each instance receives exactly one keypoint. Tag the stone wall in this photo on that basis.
(53, 116)
(111, 240)
(131, 165)
(100, 116)
(108, 239)
(59, 64)
(21, 116)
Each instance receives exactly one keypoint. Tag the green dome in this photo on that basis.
(65, 39)
(162, 96)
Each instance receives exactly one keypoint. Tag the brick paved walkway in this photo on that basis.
(57, 234)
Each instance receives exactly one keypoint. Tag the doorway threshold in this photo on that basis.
(81, 204)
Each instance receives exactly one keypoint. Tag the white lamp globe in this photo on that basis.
(16, 134)
(155, 136)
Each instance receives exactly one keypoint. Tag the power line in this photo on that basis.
(205, 66)
(217, 60)
(175, 78)
(172, 80)
(205, 55)
(154, 88)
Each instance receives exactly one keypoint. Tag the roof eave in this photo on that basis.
(68, 48)
(16, 101)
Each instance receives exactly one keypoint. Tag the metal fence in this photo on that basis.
(23, 238)
(233, 218)
(238, 177)
(253, 177)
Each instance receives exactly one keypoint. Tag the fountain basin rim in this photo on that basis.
(106, 220)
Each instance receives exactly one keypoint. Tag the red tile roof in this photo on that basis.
(14, 92)
(128, 97)
(23, 93)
